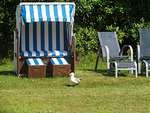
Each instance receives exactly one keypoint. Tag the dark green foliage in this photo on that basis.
(123, 16)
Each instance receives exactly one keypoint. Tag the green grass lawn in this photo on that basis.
(97, 92)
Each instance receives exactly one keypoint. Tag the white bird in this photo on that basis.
(73, 80)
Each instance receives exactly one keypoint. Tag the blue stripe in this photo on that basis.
(65, 35)
(48, 13)
(56, 13)
(51, 59)
(69, 53)
(23, 10)
(64, 13)
(31, 13)
(71, 10)
(29, 53)
(61, 53)
(27, 37)
(53, 53)
(37, 53)
(45, 53)
(28, 62)
(42, 36)
(40, 13)
(35, 61)
(59, 60)
(50, 35)
(21, 53)
(34, 36)
(58, 36)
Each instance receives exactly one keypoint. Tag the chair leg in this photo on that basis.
(135, 69)
(97, 62)
(144, 63)
(146, 69)
(116, 70)
(108, 68)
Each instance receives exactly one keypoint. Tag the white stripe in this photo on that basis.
(36, 17)
(31, 61)
(27, 13)
(61, 36)
(25, 53)
(31, 36)
(38, 36)
(60, 13)
(67, 13)
(40, 61)
(55, 61)
(33, 53)
(49, 53)
(41, 53)
(57, 53)
(52, 13)
(53, 35)
(65, 53)
(46, 35)
(43, 8)
(64, 61)
(23, 38)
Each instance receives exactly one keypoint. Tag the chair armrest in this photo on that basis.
(106, 52)
(130, 48)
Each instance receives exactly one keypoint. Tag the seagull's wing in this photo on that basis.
(77, 79)
(74, 80)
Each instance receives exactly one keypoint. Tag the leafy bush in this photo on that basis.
(86, 40)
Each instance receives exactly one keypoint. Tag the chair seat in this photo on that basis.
(125, 65)
(145, 57)
(46, 53)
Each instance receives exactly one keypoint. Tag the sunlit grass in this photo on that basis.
(97, 92)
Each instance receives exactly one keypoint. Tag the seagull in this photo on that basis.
(74, 80)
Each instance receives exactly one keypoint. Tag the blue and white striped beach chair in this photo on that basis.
(44, 30)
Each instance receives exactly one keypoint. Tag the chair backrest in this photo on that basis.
(110, 40)
(44, 36)
(145, 42)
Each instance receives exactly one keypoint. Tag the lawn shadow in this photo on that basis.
(104, 72)
(7, 73)
(69, 85)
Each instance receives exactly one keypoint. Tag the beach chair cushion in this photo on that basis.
(58, 61)
(34, 61)
(45, 53)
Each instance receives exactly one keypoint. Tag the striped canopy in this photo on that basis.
(51, 12)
